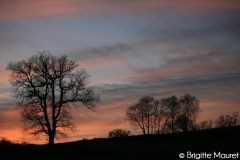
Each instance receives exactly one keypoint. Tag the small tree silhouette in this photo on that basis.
(118, 133)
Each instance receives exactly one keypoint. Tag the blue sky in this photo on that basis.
(130, 49)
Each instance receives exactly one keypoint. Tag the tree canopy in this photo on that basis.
(168, 114)
(46, 88)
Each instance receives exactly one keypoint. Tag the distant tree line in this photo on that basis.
(167, 115)
(172, 114)
(5, 141)
(221, 121)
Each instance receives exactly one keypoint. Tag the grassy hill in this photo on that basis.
(149, 147)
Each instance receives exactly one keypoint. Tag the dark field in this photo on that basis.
(225, 140)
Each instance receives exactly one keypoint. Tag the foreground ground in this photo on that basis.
(224, 140)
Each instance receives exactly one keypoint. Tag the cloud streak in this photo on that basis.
(18, 9)
(192, 65)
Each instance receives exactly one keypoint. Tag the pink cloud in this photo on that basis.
(189, 65)
(212, 110)
(103, 70)
(104, 62)
(10, 122)
(30, 8)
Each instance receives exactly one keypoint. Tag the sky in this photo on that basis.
(130, 49)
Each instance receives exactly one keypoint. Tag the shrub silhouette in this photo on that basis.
(5, 141)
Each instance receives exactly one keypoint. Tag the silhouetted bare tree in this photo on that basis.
(173, 109)
(189, 106)
(136, 115)
(47, 87)
(118, 133)
(147, 104)
(159, 116)
(145, 114)
(167, 125)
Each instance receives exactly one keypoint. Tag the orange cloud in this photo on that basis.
(88, 124)
(106, 117)
(10, 122)
(4, 77)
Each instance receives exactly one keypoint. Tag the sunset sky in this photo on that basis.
(130, 48)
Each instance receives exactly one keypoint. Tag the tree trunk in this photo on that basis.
(186, 126)
(51, 138)
(148, 123)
